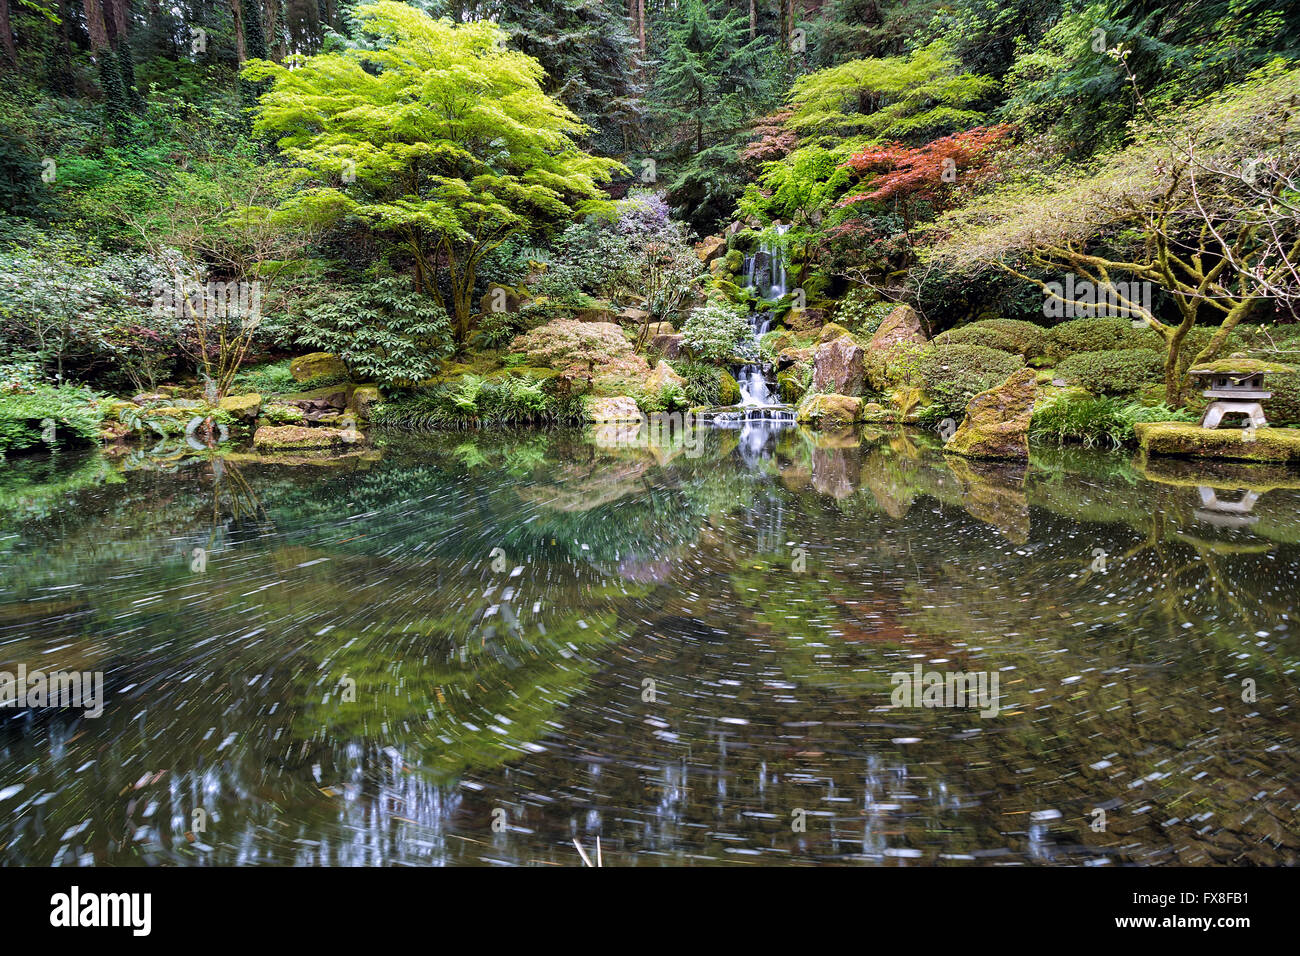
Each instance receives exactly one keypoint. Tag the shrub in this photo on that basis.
(1283, 409)
(1098, 335)
(1007, 335)
(954, 374)
(598, 349)
(1119, 372)
(498, 329)
(716, 332)
(1096, 421)
(383, 331)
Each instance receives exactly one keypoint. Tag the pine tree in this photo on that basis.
(712, 80)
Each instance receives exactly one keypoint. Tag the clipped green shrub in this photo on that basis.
(1118, 372)
(1283, 409)
(1094, 422)
(1006, 335)
(954, 374)
(382, 330)
(1098, 335)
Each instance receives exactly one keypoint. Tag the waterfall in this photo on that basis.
(765, 275)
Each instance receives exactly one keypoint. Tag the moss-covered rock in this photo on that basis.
(315, 365)
(363, 399)
(728, 389)
(789, 385)
(619, 408)
(838, 366)
(275, 413)
(242, 408)
(829, 410)
(296, 437)
(1185, 440)
(997, 421)
(830, 331)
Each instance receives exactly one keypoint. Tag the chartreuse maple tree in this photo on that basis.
(438, 136)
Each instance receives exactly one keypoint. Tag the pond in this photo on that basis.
(479, 648)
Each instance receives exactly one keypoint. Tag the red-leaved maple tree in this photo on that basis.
(928, 173)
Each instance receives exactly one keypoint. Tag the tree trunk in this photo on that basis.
(237, 14)
(7, 33)
(640, 21)
(95, 25)
(116, 19)
(753, 19)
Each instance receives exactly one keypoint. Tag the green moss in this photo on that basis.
(1245, 366)
(954, 374)
(829, 410)
(1238, 444)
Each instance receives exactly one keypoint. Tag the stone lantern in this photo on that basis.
(1236, 387)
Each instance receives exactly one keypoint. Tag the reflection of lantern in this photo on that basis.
(1226, 514)
(1236, 387)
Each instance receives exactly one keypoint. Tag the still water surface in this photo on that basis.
(473, 649)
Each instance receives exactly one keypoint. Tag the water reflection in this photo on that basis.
(475, 649)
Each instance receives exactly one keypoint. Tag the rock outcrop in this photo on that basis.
(838, 366)
(997, 421)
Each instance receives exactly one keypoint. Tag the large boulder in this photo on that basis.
(710, 248)
(838, 366)
(829, 411)
(316, 364)
(294, 436)
(997, 421)
(632, 316)
(901, 327)
(617, 409)
(501, 298)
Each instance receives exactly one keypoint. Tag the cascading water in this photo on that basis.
(765, 275)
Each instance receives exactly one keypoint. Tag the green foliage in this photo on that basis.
(906, 98)
(590, 347)
(717, 332)
(1007, 335)
(1092, 421)
(1115, 372)
(861, 312)
(383, 331)
(1098, 335)
(34, 414)
(707, 384)
(954, 374)
(474, 401)
(439, 138)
